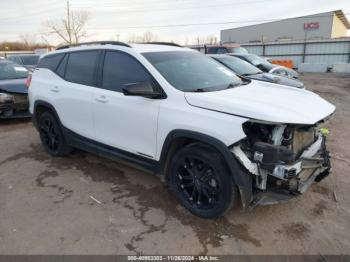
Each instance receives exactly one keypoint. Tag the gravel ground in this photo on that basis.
(83, 204)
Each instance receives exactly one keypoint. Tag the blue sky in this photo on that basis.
(122, 18)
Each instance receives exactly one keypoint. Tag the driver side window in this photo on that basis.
(120, 69)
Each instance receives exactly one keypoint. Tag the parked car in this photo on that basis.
(184, 116)
(264, 65)
(245, 69)
(29, 61)
(220, 49)
(13, 90)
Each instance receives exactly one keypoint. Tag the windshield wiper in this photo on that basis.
(232, 85)
(199, 90)
(250, 74)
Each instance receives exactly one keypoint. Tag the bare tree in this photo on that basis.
(71, 29)
(28, 40)
(145, 38)
(134, 38)
(211, 40)
(149, 37)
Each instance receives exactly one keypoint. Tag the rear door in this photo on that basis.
(128, 123)
(74, 95)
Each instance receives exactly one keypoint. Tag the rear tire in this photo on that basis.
(51, 135)
(201, 181)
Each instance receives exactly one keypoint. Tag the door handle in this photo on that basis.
(55, 89)
(101, 99)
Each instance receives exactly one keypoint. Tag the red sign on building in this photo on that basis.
(311, 26)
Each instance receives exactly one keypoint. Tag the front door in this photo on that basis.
(128, 123)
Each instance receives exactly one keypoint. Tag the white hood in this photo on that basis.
(266, 102)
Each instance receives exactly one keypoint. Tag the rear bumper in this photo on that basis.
(288, 181)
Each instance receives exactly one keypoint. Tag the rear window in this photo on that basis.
(217, 50)
(30, 59)
(81, 67)
(51, 61)
(12, 71)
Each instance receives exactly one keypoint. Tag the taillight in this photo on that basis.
(28, 80)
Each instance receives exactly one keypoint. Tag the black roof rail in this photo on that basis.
(163, 43)
(95, 43)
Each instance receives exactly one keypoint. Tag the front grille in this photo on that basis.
(303, 138)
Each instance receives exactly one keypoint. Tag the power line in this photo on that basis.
(183, 8)
(216, 23)
(23, 17)
(29, 15)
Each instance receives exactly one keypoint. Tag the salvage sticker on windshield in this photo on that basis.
(19, 68)
(226, 71)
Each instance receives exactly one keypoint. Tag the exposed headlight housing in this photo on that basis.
(6, 98)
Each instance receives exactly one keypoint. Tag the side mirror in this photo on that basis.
(272, 78)
(144, 89)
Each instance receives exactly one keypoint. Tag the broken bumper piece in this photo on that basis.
(14, 106)
(284, 182)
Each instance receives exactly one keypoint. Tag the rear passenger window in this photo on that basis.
(50, 62)
(120, 69)
(81, 67)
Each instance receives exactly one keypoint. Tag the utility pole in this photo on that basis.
(263, 45)
(69, 23)
(304, 46)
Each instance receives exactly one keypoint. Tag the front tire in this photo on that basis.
(201, 181)
(51, 135)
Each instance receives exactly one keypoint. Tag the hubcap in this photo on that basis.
(49, 134)
(197, 183)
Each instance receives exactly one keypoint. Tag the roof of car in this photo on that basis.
(139, 48)
(22, 55)
(239, 54)
(218, 55)
(143, 48)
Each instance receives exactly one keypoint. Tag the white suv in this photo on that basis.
(210, 134)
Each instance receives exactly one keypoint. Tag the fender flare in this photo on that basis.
(240, 178)
(231, 162)
(45, 104)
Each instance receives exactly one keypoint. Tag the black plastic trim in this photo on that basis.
(215, 143)
(107, 151)
(44, 104)
(162, 43)
(95, 43)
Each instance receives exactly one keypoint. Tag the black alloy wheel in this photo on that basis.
(51, 135)
(197, 182)
(201, 181)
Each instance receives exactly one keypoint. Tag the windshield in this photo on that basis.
(256, 60)
(238, 50)
(192, 71)
(12, 71)
(30, 59)
(238, 65)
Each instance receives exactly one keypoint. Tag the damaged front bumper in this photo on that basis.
(14, 106)
(283, 182)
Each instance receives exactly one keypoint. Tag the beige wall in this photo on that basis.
(338, 28)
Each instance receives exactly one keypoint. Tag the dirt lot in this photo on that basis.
(47, 205)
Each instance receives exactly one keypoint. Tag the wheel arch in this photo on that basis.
(179, 138)
(40, 107)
